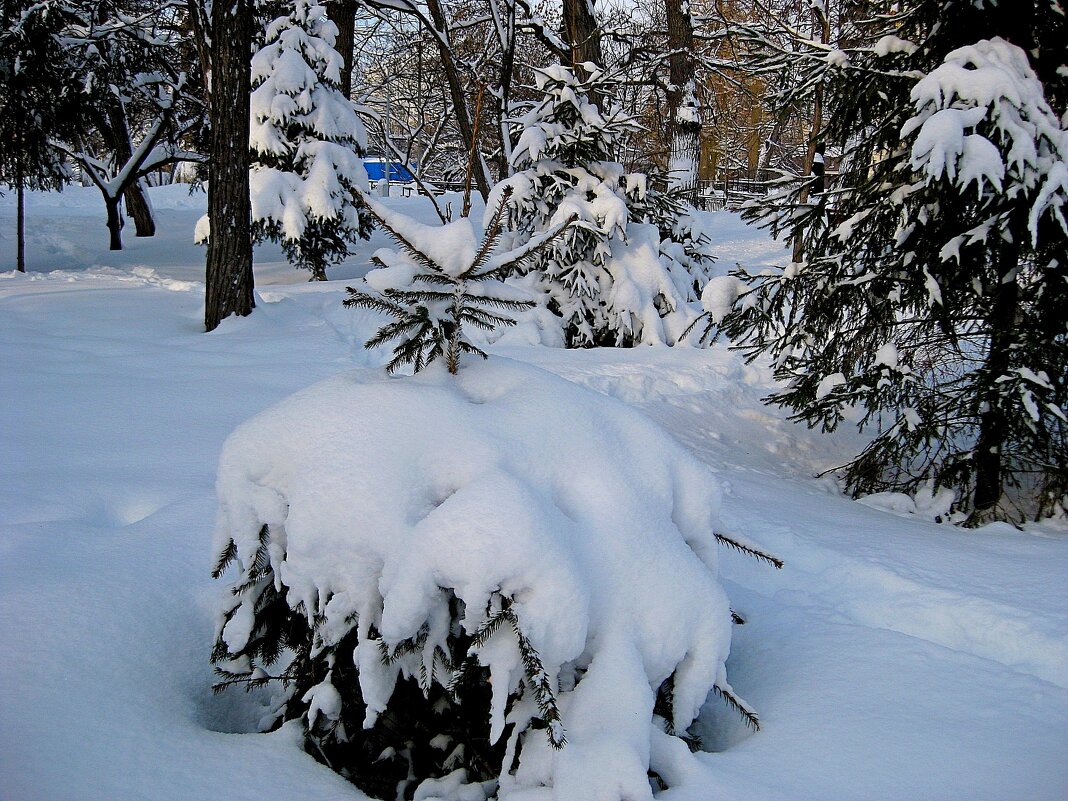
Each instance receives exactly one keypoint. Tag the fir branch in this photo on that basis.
(737, 619)
(491, 236)
(540, 684)
(488, 627)
(502, 303)
(412, 321)
(474, 350)
(250, 681)
(536, 676)
(412, 645)
(485, 320)
(511, 260)
(706, 335)
(748, 549)
(225, 558)
(365, 300)
(415, 253)
(739, 706)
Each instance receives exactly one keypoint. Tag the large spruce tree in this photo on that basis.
(931, 289)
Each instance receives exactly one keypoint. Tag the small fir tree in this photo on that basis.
(934, 273)
(629, 268)
(439, 280)
(307, 143)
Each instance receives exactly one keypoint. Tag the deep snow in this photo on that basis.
(893, 658)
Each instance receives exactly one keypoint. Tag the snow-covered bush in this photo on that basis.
(440, 279)
(494, 584)
(307, 143)
(629, 270)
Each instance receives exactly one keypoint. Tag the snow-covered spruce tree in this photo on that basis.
(934, 278)
(439, 280)
(307, 143)
(628, 271)
(489, 584)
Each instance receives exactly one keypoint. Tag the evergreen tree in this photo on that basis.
(934, 275)
(307, 143)
(38, 102)
(626, 271)
(438, 281)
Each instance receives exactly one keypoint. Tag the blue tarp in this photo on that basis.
(376, 170)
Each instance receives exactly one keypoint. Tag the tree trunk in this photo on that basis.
(138, 207)
(118, 131)
(993, 421)
(582, 34)
(229, 277)
(684, 113)
(114, 209)
(20, 219)
(343, 14)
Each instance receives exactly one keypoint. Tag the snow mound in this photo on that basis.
(384, 497)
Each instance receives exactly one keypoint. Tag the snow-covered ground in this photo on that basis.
(892, 658)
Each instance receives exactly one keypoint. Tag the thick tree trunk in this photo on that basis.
(20, 235)
(459, 100)
(229, 263)
(343, 15)
(989, 457)
(139, 209)
(582, 34)
(114, 210)
(684, 113)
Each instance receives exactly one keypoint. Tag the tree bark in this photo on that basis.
(989, 457)
(582, 34)
(684, 121)
(229, 276)
(114, 210)
(139, 209)
(343, 15)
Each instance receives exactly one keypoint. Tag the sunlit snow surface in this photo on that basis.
(892, 658)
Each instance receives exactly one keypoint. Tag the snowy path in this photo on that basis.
(891, 659)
